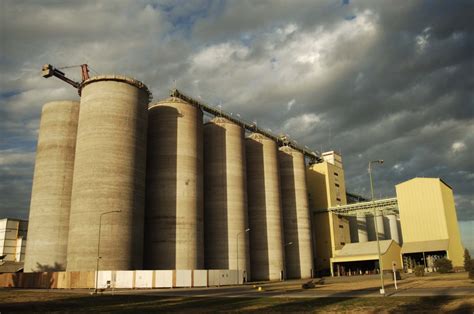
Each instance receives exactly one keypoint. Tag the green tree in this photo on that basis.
(471, 272)
(443, 265)
(467, 260)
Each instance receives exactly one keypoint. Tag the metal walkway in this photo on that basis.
(386, 206)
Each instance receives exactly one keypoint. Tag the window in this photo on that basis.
(337, 184)
(338, 199)
(341, 226)
(343, 243)
(336, 174)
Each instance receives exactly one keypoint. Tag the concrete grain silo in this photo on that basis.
(362, 228)
(353, 229)
(174, 217)
(296, 219)
(380, 225)
(48, 229)
(358, 228)
(225, 197)
(264, 209)
(370, 221)
(393, 227)
(109, 175)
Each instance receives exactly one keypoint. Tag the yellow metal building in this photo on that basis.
(360, 258)
(429, 221)
(326, 188)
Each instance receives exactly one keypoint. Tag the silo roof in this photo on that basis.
(168, 100)
(118, 78)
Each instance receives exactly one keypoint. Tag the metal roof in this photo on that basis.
(364, 248)
(425, 246)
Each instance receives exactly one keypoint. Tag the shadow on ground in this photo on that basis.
(35, 301)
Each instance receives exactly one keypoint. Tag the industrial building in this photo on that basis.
(13, 239)
(123, 184)
(429, 222)
(416, 227)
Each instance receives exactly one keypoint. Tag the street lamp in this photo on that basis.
(382, 290)
(238, 234)
(98, 248)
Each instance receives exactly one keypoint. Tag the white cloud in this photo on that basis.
(458, 147)
(219, 55)
(10, 157)
(291, 103)
(301, 125)
(422, 40)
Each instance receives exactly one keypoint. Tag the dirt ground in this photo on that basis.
(81, 300)
(40, 300)
(431, 280)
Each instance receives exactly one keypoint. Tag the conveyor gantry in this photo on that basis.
(387, 206)
(314, 157)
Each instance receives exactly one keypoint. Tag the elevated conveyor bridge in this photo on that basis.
(387, 206)
(314, 157)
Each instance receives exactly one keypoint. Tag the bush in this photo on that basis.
(467, 260)
(471, 271)
(443, 265)
(419, 270)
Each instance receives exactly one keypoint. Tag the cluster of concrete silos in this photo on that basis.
(362, 227)
(149, 186)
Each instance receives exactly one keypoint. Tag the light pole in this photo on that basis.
(238, 274)
(98, 248)
(382, 290)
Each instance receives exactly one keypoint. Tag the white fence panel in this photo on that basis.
(144, 279)
(105, 279)
(183, 278)
(199, 278)
(163, 279)
(124, 279)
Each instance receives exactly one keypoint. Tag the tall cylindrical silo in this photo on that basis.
(370, 222)
(353, 229)
(225, 197)
(392, 220)
(48, 228)
(264, 209)
(362, 228)
(296, 219)
(380, 225)
(174, 205)
(108, 192)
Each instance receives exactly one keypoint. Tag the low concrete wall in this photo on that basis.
(120, 279)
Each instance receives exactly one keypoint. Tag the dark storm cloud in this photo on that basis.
(375, 79)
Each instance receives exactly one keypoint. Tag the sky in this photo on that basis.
(370, 79)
